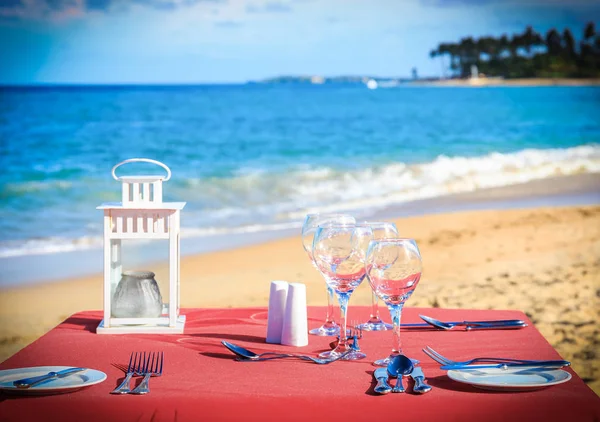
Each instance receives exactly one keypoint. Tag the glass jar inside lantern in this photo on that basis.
(137, 296)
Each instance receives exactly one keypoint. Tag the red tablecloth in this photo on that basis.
(202, 382)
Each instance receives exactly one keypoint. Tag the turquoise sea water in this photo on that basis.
(250, 158)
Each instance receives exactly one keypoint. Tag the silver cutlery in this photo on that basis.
(153, 367)
(381, 375)
(419, 378)
(245, 355)
(354, 334)
(470, 325)
(318, 361)
(442, 360)
(30, 382)
(398, 367)
(135, 367)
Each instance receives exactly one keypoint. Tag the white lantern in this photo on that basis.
(141, 215)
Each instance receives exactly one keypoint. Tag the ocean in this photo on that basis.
(257, 158)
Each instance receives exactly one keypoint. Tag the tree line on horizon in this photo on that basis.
(526, 55)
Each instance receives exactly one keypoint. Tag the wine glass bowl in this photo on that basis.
(397, 291)
(394, 271)
(309, 227)
(381, 230)
(313, 221)
(394, 268)
(339, 251)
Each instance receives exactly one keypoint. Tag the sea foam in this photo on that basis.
(257, 201)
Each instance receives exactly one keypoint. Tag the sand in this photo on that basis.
(543, 261)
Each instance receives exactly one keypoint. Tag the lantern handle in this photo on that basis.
(145, 160)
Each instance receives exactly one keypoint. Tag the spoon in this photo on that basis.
(475, 325)
(248, 355)
(398, 367)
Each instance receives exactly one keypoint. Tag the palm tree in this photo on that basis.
(538, 41)
(531, 40)
(437, 53)
(586, 61)
(526, 54)
(454, 52)
(514, 44)
(489, 46)
(468, 55)
(553, 42)
(569, 43)
(444, 49)
(589, 31)
(503, 44)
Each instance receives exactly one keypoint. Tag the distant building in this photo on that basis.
(415, 76)
(474, 72)
(317, 80)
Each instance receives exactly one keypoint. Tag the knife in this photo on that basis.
(420, 386)
(517, 323)
(514, 326)
(547, 364)
(30, 382)
(381, 375)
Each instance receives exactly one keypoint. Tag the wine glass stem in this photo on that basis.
(329, 316)
(375, 311)
(396, 314)
(343, 300)
(329, 321)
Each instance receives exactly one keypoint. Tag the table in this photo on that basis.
(202, 382)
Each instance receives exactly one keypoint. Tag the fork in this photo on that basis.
(134, 368)
(442, 360)
(152, 367)
(355, 333)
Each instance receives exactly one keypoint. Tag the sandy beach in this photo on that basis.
(543, 261)
(518, 82)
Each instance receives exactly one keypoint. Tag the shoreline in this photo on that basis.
(32, 270)
(500, 82)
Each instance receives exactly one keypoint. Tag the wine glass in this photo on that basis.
(394, 269)
(381, 230)
(311, 223)
(339, 251)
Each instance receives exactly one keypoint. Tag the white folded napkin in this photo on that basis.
(276, 312)
(295, 323)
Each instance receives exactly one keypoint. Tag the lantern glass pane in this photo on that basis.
(150, 256)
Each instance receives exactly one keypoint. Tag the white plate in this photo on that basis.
(67, 384)
(510, 379)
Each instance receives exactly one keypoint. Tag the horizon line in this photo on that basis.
(246, 82)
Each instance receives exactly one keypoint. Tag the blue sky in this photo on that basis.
(214, 41)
